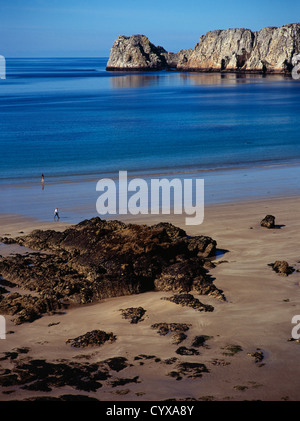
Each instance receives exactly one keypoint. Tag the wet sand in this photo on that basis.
(256, 316)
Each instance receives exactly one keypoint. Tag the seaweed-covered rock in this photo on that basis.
(134, 314)
(178, 337)
(165, 328)
(189, 370)
(99, 259)
(41, 375)
(7, 240)
(116, 363)
(123, 381)
(183, 350)
(282, 267)
(268, 221)
(27, 308)
(200, 340)
(190, 301)
(93, 338)
(257, 355)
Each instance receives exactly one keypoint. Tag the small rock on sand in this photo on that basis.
(268, 221)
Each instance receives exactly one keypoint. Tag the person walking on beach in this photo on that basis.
(56, 215)
(43, 181)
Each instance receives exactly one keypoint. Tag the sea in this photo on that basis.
(76, 123)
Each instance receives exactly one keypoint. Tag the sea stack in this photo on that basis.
(270, 50)
(138, 53)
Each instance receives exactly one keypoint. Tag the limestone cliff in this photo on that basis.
(138, 53)
(135, 52)
(270, 50)
(220, 50)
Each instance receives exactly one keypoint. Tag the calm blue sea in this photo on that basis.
(71, 120)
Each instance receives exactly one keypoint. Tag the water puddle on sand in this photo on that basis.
(220, 253)
(11, 249)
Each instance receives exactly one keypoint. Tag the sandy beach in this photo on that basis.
(256, 317)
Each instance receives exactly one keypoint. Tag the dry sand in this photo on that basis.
(258, 312)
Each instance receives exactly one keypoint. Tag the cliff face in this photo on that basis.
(138, 53)
(135, 52)
(220, 50)
(274, 48)
(269, 50)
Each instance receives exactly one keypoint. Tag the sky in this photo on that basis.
(87, 28)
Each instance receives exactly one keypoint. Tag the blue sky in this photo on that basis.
(78, 28)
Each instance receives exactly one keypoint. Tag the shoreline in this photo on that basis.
(76, 199)
(84, 177)
(208, 70)
(18, 223)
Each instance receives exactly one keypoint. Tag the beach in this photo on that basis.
(149, 206)
(211, 318)
(255, 318)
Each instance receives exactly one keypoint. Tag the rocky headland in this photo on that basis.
(270, 50)
(138, 53)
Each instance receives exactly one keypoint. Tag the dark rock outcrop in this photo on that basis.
(200, 340)
(257, 355)
(178, 337)
(93, 338)
(122, 382)
(189, 370)
(135, 315)
(98, 259)
(268, 221)
(27, 308)
(270, 50)
(189, 300)
(165, 328)
(7, 240)
(282, 267)
(183, 350)
(40, 375)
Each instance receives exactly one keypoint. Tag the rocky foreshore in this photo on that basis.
(99, 259)
(270, 50)
(126, 347)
